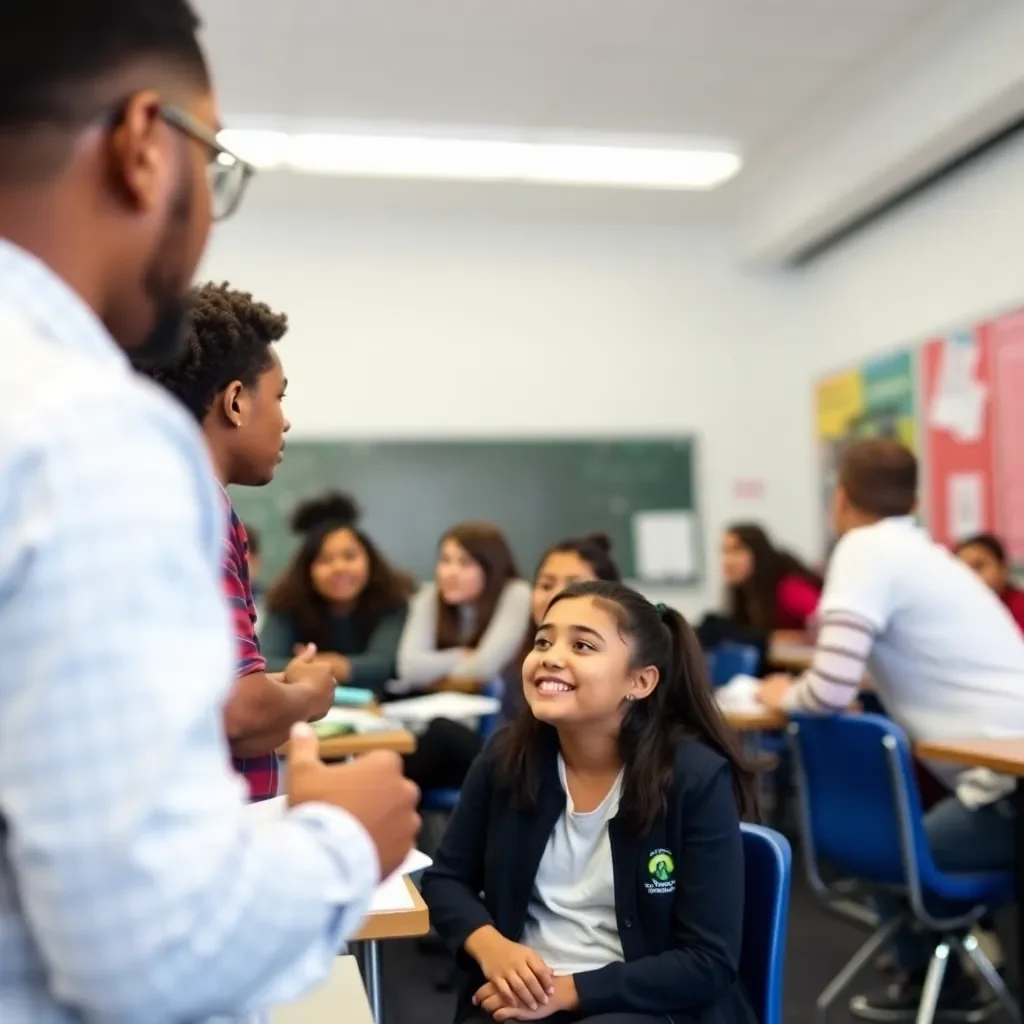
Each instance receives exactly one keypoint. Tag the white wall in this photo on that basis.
(411, 319)
(952, 257)
(409, 323)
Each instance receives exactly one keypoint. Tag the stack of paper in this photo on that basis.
(458, 706)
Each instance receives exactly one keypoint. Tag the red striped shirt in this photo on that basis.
(262, 773)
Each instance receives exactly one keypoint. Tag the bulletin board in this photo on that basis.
(957, 400)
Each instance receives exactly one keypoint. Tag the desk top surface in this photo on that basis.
(406, 923)
(1005, 755)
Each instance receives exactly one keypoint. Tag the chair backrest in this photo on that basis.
(729, 660)
(488, 723)
(769, 868)
(853, 773)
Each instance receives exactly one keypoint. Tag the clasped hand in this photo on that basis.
(519, 986)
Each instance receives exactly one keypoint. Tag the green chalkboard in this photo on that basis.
(538, 491)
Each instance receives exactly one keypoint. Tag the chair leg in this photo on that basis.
(971, 948)
(856, 964)
(933, 984)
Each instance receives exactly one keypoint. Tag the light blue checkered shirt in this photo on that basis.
(132, 887)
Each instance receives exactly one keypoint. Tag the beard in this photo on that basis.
(166, 286)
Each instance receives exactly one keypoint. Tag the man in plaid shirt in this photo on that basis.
(231, 380)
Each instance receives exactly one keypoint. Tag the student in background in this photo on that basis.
(231, 381)
(614, 801)
(340, 594)
(463, 630)
(469, 622)
(577, 560)
(947, 663)
(985, 554)
(769, 590)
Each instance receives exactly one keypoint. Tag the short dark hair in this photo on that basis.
(229, 339)
(880, 477)
(681, 706)
(989, 541)
(56, 56)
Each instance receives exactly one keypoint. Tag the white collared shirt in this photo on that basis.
(132, 887)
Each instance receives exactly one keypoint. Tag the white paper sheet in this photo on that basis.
(457, 706)
(392, 894)
(740, 695)
(361, 721)
(965, 498)
(960, 399)
(666, 545)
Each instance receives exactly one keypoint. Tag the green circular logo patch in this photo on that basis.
(661, 866)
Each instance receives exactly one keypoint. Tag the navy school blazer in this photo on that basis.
(678, 889)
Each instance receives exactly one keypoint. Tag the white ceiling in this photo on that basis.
(740, 69)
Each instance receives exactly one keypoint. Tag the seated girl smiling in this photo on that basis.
(593, 869)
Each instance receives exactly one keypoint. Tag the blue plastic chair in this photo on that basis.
(769, 870)
(443, 800)
(861, 814)
(728, 660)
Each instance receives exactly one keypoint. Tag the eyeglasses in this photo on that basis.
(228, 173)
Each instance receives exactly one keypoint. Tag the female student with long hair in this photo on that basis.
(340, 593)
(463, 628)
(767, 589)
(575, 560)
(986, 555)
(593, 869)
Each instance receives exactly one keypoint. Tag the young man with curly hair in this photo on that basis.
(230, 379)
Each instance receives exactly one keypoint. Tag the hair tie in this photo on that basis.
(660, 609)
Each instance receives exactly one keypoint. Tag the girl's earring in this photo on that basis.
(630, 696)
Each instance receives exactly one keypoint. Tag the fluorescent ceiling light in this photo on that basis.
(690, 166)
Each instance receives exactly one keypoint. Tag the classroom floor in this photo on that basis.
(819, 945)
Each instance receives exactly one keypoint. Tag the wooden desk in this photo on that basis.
(337, 748)
(334, 748)
(759, 720)
(1005, 756)
(388, 924)
(787, 656)
(397, 924)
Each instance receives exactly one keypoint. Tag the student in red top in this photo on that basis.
(230, 379)
(985, 554)
(768, 589)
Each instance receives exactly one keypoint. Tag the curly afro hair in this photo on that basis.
(229, 339)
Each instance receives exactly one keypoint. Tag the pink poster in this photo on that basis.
(1006, 337)
(958, 435)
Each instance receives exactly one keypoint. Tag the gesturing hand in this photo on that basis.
(371, 788)
(517, 973)
(306, 669)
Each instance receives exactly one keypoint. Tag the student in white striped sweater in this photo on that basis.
(947, 661)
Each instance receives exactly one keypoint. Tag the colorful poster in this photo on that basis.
(958, 428)
(1006, 337)
(876, 400)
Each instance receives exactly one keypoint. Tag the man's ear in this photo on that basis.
(138, 158)
(233, 403)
